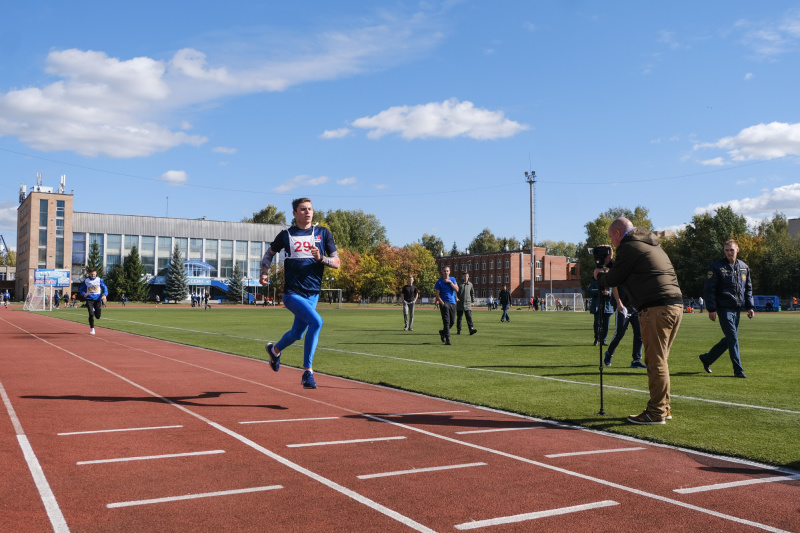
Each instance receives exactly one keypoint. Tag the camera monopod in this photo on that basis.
(600, 253)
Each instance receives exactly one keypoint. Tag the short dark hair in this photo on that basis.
(297, 201)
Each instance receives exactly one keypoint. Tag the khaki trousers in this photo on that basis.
(659, 326)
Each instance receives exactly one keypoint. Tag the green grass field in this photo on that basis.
(539, 364)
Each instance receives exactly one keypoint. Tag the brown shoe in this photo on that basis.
(645, 419)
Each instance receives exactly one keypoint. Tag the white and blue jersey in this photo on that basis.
(93, 289)
(302, 273)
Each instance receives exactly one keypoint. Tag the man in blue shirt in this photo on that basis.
(94, 291)
(446, 289)
(728, 289)
(309, 250)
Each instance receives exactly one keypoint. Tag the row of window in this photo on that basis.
(155, 253)
(467, 267)
(9, 276)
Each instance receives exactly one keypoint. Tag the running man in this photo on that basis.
(94, 291)
(309, 250)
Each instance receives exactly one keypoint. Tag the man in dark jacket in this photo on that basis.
(728, 289)
(505, 301)
(464, 299)
(646, 274)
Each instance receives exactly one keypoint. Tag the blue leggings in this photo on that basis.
(305, 318)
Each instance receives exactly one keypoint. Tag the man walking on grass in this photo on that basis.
(446, 290)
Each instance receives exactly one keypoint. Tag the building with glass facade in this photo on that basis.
(51, 236)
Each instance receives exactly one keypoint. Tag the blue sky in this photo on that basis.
(426, 114)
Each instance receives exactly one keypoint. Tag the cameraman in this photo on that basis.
(643, 269)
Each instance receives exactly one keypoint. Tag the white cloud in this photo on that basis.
(347, 181)
(8, 219)
(122, 108)
(300, 181)
(381, 186)
(763, 141)
(336, 134)
(717, 161)
(668, 38)
(224, 150)
(674, 228)
(175, 177)
(447, 119)
(748, 76)
(785, 199)
(769, 39)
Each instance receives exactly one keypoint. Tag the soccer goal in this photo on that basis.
(564, 301)
(331, 297)
(39, 299)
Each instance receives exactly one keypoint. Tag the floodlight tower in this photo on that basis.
(531, 179)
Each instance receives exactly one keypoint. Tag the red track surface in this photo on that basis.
(309, 458)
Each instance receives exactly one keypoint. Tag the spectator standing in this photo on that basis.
(505, 301)
(466, 295)
(409, 293)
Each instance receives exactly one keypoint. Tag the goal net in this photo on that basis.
(331, 297)
(564, 301)
(39, 299)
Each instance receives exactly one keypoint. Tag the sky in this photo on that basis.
(425, 114)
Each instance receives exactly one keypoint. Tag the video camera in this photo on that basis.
(600, 253)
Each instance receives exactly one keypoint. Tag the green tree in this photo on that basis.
(484, 242)
(268, 215)
(95, 261)
(115, 281)
(177, 288)
(454, 250)
(560, 248)
(135, 284)
(775, 264)
(418, 260)
(9, 258)
(355, 230)
(236, 285)
(433, 244)
(597, 234)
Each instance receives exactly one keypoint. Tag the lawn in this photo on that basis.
(539, 364)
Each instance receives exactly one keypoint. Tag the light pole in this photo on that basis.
(531, 179)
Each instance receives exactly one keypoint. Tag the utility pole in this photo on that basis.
(531, 178)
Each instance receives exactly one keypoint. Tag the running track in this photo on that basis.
(123, 433)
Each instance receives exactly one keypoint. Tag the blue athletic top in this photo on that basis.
(446, 292)
(93, 289)
(303, 273)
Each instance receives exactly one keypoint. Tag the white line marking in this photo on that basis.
(733, 484)
(418, 470)
(148, 457)
(533, 516)
(495, 430)
(594, 451)
(389, 512)
(192, 496)
(429, 413)
(45, 492)
(342, 442)
(115, 430)
(405, 359)
(289, 420)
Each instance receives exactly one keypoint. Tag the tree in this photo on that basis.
(378, 273)
(454, 250)
(355, 230)
(115, 281)
(135, 285)
(95, 261)
(433, 244)
(177, 283)
(418, 261)
(9, 258)
(484, 242)
(560, 248)
(268, 215)
(597, 234)
(236, 285)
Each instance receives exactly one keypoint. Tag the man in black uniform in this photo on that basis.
(410, 295)
(727, 290)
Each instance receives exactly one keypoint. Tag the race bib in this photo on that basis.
(300, 246)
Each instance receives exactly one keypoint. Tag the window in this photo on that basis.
(505, 278)
(78, 252)
(113, 251)
(491, 265)
(183, 246)
(225, 259)
(164, 255)
(148, 254)
(483, 279)
(130, 242)
(42, 255)
(484, 265)
(59, 234)
(196, 249)
(256, 251)
(491, 278)
(241, 256)
(212, 255)
(539, 277)
(476, 265)
(483, 293)
(506, 263)
(538, 264)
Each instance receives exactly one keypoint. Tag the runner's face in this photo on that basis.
(92, 274)
(303, 215)
(445, 272)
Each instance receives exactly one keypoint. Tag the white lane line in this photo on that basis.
(115, 430)
(496, 430)
(192, 496)
(148, 457)
(534, 516)
(342, 442)
(613, 450)
(733, 484)
(289, 420)
(419, 470)
(429, 413)
(360, 498)
(45, 492)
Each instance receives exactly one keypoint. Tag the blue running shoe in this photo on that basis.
(308, 380)
(274, 360)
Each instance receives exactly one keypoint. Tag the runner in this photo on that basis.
(94, 290)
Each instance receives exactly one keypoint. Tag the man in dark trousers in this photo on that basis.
(728, 290)
(94, 291)
(626, 315)
(409, 295)
(466, 295)
(505, 301)
(446, 289)
(644, 270)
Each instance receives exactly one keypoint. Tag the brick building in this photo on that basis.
(490, 271)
